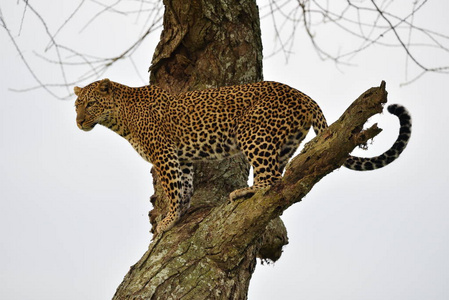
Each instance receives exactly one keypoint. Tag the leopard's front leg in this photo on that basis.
(169, 171)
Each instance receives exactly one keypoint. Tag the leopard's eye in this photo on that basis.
(89, 104)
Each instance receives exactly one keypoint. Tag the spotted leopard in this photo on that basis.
(265, 120)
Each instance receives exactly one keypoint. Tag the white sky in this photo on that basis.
(73, 205)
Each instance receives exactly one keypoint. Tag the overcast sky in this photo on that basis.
(74, 205)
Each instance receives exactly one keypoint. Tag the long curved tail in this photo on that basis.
(377, 162)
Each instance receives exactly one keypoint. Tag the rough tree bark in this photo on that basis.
(211, 253)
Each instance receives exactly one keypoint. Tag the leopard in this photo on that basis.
(265, 121)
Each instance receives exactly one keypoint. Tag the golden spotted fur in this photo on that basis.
(265, 120)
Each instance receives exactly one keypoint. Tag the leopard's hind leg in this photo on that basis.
(290, 146)
(268, 153)
(266, 173)
(261, 151)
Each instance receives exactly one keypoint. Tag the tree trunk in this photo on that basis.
(211, 252)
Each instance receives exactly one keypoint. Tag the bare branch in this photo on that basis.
(23, 17)
(393, 28)
(363, 23)
(105, 9)
(369, 23)
(67, 57)
(27, 65)
(66, 22)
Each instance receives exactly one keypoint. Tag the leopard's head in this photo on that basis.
(94, 104)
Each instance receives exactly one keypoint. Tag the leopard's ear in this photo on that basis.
(105, 86)
(77, 90)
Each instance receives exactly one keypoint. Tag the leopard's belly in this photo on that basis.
(201, 146)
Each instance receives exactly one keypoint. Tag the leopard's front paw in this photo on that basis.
(168, 222)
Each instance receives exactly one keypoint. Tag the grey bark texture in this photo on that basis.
(211, 252)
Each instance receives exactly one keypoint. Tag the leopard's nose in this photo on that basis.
(79, 122)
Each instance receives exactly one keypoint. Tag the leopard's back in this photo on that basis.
(207, 121)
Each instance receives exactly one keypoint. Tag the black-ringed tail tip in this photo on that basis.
(377, 162)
